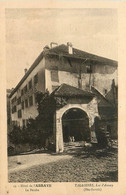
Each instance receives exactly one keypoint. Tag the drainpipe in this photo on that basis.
(80, 76)
(90, 82)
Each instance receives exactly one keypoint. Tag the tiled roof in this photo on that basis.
(63, 50)
(101, 96)
(65, 90)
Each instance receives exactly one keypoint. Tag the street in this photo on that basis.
(76, 165)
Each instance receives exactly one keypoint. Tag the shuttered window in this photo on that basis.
(31, 101)
(26, 103)
(54, 75)
(36, 79)
(22, 104)
(88, 69)
(30, 84)
(19, 114)
(25, 89)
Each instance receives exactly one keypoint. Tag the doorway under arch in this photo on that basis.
(75, 124)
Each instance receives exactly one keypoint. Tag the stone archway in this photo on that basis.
(90, 109)
(75, 124)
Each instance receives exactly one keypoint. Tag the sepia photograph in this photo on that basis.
(62, 94)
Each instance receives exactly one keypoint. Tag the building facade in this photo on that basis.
(64, 69)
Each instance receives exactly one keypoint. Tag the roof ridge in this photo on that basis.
(101, 95)
(69, 90)
(57, 46)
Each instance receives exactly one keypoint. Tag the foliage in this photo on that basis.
(46, 109)
(16, 135)
(39, 129)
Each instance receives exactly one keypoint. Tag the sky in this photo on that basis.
(29, 30)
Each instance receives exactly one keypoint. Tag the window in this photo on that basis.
(14, 100)
(22, 92)
(105, 91)
(30, 84)
(14, 123)
(19, 101)
(36, 79)
(26, 103)
(19, 114)
(35, 99)
(31, 101)
(25, 89)
(23, 122)
(14, 109)
(88, 69)
(22, 105)
(54, 75)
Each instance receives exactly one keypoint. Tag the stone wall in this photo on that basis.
(101, 76)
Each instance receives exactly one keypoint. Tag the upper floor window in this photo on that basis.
(22, 105)
(25, 89)
(105, 91)
(54, 75)
(35, 98)
(36, 79)
(14, 109)
(88, 69)
(31, 101)
(14, 100)
(23, 122)
(19, 101)
(26, 103)
(22, 92)
(19, 114)
(30, 84)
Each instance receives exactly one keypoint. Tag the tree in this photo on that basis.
(39, 129)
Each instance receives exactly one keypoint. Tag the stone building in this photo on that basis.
(82, 78)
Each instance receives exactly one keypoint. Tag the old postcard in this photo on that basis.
(63, 97)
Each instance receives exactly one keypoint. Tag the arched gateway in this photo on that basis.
(75, 115)
(86, 114)
(75, 124)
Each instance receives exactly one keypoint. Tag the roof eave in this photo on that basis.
(36, 62)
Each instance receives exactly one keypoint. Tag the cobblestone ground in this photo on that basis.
(84, 166)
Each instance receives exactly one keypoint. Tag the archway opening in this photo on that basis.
(75, 124)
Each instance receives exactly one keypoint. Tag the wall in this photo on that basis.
(31, 111)
(68, 72)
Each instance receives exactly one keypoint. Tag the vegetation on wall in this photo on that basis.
(39, 129)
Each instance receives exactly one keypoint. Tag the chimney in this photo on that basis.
(25, 70)
(53, 44)
(70, 48)
(46, 48)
